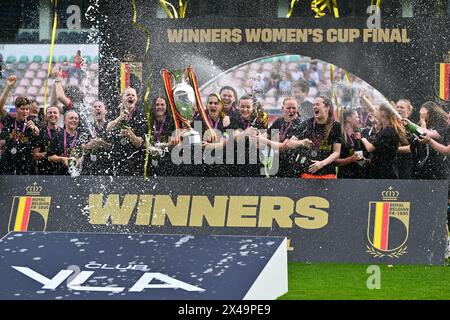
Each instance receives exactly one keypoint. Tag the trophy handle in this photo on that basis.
(200, 108)
(167, 77)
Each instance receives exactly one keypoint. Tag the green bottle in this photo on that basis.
(123, 124)
(414, 129)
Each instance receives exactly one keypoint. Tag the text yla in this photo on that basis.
(77, 282)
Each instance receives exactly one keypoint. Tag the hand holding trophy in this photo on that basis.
(184, 99)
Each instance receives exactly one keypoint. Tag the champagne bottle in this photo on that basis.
(359, 147)
(124, 122)
(414, 129)
(358, 143)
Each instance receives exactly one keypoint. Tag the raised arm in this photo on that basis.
(4, 97)
(367, 104)
(59, 91)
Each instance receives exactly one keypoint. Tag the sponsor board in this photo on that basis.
(41, 265)
(376, 221)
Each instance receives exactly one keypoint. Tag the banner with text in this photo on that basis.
(377, 221)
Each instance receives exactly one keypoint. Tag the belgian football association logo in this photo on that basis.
(388, 226)
(30, 212)
(442, 77)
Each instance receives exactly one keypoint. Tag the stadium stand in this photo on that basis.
(32, 73)
(291, 67)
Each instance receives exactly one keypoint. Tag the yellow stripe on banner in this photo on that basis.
(378, 225)
(442, 76)
(52, 48)
(19, 217)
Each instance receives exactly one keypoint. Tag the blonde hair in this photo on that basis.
(408, 104)
(396, 123)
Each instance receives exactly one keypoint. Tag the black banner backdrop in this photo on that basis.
(398, 67)
(377, 221)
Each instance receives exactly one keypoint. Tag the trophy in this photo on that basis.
(184, 99)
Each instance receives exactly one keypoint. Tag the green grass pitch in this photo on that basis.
(327, 281)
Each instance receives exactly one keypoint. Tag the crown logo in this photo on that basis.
(128, 57)
(447, 57)
(390, 194)
(34, 190)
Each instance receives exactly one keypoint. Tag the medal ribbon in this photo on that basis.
(49, 132)
(316, 139)
(158, 134)
(215, 123)
(245, 122)
(283, 132)
(351, 139)
(15, 131)
(72, 144)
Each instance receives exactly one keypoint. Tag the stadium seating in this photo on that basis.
(34, 66)
(32, 91)
(36, 82)
(21, 66)
(23, 59)
(11, 59)
(20, 91)
(242, 79)
(73, 82)
(24, 82)
(31, 72)
(94, 67)
(48, 59)
(37, 58)
(41, 75)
